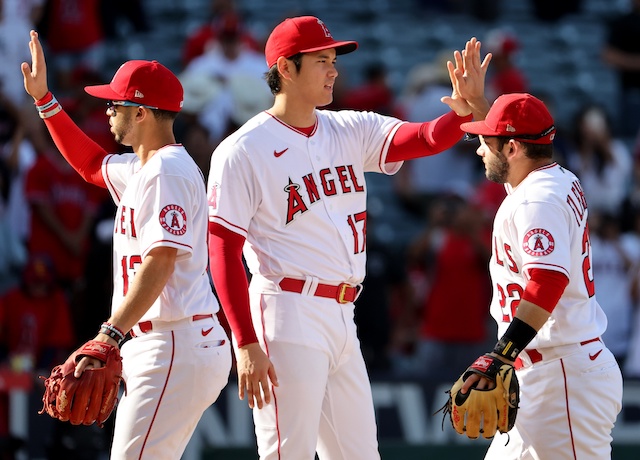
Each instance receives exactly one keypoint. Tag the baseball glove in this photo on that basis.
(90, 398)
(485, 411)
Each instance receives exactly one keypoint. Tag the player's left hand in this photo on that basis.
(255, 371)
(468, 80)
(35, 76)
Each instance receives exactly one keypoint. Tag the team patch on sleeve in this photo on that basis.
(538, 242)
(173, 219)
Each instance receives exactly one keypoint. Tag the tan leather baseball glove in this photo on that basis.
(485, 411)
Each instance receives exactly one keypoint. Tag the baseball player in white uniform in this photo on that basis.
(289, 188)
(179, 359)
(544, 302)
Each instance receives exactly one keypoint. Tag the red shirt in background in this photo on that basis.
(456, 308)
(73, 25)
(71, 199)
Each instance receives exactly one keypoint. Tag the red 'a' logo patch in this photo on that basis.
(538, 242)
(173, 219)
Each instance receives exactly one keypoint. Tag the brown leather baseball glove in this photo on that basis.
(485, 411)
(90, 398)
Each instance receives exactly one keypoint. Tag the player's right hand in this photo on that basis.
(255, 370)
(35, 76)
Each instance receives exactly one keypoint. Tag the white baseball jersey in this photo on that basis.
(164, 204)
(304, 193)
(159, 205)
(577, 385)
(542, 223)
(301, 203)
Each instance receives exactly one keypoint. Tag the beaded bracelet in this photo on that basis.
(113, 332)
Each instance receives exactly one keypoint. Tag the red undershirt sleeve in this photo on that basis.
(415, 140)
(545, 287)
(80, 151)
(230, 281)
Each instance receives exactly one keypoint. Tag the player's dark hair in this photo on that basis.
(164, 115)
(273, 76)
(533, 151)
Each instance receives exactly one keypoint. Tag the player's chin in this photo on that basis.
(327, 99)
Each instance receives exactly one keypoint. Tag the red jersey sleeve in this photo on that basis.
(82, 153)
(415, 140)
(230, 281)
(545, 287)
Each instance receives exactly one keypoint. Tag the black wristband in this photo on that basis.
(113, 332)
(517, 336)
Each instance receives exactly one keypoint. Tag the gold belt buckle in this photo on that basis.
(342, 291)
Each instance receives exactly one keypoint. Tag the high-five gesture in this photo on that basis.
(35, 76)
(467, 79)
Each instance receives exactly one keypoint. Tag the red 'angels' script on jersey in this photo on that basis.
(538, 242)
(173, 219)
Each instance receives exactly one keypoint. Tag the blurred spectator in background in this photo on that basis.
(228, 56)
(613, 257)
(374, 94)
(12, 229)
(553, 10)
(35, 321)
(451, 315)
(213, 109)
(385, 295)
(128, 12)
(63, 207)
(224, 87)
(222, 15)
(622, 52)
(29, 11)
(71, 30)
(88, 112)
(455, 170)
(601, 161)
(483, 10)
(504, 76)
(35, 327)
(14, 26)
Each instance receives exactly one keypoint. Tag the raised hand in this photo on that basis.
(35, 76)
(468, 80)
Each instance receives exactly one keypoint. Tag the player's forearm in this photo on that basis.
(532, 314)
(82, 153)
(150, 280)
(415, 140)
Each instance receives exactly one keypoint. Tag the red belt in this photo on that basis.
(147, 326)
(535, 356)
(342, 293)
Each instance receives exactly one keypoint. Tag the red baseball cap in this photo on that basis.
(143, 82)
(303, 34)
(519, 116)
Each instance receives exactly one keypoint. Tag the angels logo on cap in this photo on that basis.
(303, 34)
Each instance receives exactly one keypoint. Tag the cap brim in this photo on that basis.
(103, 92)
(478, 128)
(340, 47)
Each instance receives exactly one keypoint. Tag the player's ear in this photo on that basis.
(284, 67)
